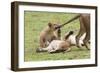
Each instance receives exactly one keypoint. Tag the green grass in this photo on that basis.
(35, 22)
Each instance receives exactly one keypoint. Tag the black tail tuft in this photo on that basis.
(67, 36)
(71, 32)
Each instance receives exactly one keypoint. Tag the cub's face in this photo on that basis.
(52, 26)
(56, 25)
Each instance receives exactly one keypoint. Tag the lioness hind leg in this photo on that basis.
(86, 40)
(78, 37)
(81, 31)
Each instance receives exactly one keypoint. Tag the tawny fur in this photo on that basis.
(48, 34)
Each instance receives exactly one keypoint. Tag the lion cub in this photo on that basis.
(48, 34)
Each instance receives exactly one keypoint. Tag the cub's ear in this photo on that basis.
(50, 24)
